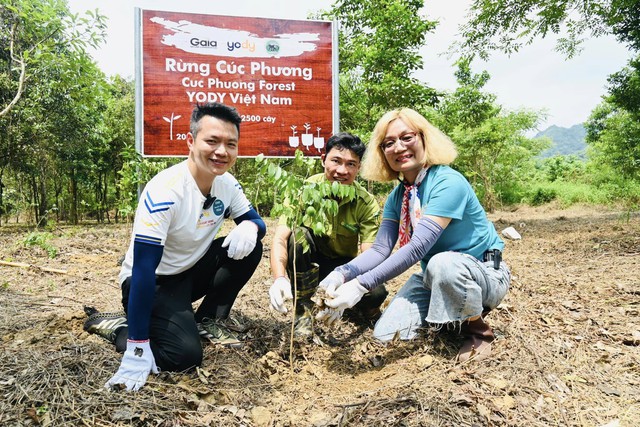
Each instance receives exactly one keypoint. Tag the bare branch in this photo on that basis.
(23, 73)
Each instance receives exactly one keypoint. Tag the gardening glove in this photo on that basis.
(279, 292)
(241, 240)
(331, 282)
(329, 315)
(136, 364)
(347, 295)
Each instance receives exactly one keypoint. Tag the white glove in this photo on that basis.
(241, 240)
(329, 315)
(279, 292)
(347, 295)
(136, 364)
(331, 282)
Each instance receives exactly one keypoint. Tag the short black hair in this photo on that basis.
(342, 140)
(213, 109)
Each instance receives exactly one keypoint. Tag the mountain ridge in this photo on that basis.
(566, 141)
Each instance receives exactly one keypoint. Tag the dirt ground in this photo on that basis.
(567, 350)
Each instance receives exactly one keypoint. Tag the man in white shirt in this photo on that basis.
(175, 259)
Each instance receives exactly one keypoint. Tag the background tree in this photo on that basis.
(43, 67)
(32, 31)
(507, 25)
(612, 129)
(614, 136)
(494, 153)
(379, 46)
(119, 123)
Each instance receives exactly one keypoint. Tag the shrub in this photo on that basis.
(542, 196)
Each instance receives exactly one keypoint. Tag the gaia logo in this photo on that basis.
(272, 46)
(196, 42)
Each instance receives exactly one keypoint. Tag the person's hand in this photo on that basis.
(137, 363)
(241, 240)
(279, 292)
(331, 282)
(329, 315)
(346, 296)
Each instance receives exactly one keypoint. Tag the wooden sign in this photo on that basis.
(278, 74)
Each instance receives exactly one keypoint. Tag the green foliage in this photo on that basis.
(304, 203)
(34, 32)
(51, 100)
(568, 168)
(379, 46)
(41, 240)
(507, 25)
(542, 196)
(135, 173)
(624, 87)
(623, 16)
(259, 186)
(603, 178)
(494, 153)
(596, 184)
(613, 130)
(614, 135)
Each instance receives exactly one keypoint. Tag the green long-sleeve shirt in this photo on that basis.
(357, 222)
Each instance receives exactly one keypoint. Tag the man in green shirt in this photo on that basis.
(353, 228)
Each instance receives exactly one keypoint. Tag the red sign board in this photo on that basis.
(278, 74)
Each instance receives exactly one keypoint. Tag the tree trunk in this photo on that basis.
(42, 207)
(34, 198)
(105, 197)
(117, 187)
(2, 209)
(74, 197)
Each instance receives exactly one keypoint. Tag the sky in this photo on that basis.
(536, 78)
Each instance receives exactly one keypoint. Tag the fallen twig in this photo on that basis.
(25, 265)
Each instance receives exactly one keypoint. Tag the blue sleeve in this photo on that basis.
(380, 250)
(146, 259)
(252, 215)
(423, 238)
(393, 203)
(448, 196)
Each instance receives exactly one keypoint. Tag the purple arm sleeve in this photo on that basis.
(380, 250)
(423, 238)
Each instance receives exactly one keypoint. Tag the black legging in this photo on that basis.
(173, 334)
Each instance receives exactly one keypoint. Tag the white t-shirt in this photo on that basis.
(170, 214)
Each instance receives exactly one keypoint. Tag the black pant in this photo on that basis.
(173, 333)
(369, 301)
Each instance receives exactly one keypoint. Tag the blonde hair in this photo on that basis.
(438, 148)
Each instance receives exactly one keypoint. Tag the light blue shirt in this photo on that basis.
(446, 193)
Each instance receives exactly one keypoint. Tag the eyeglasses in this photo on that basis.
(208, 202)
(407, 140)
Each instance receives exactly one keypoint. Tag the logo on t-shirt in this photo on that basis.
(218, 207)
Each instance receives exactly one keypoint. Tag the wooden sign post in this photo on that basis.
(281, 76)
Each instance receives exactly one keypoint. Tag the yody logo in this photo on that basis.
(250, 46)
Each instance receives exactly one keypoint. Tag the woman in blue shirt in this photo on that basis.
(437, 219)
